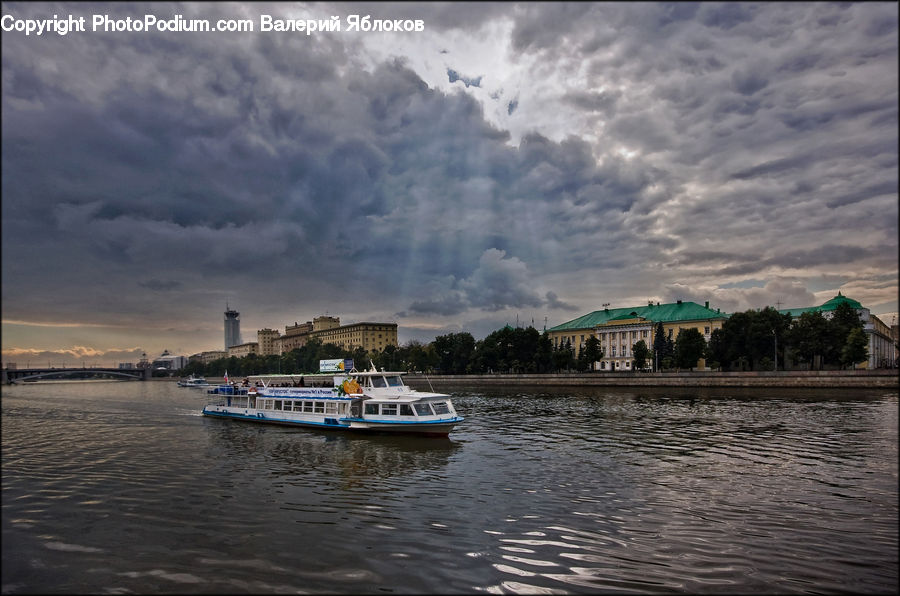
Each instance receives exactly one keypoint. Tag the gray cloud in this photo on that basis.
(650, 145)
(554, 302)
(160, 285)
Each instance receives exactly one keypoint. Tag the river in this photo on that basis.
(122, 487)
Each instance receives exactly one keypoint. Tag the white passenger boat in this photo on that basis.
(193, 381)
(358, 401)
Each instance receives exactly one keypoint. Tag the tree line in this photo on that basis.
(758, 340)
(749, 340)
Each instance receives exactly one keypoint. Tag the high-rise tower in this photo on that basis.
(232, 327)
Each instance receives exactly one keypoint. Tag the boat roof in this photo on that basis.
(337, 373)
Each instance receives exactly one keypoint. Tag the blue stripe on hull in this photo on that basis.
(266, 419)
(427, 427)
(401, 422)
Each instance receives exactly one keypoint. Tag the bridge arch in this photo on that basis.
(134, 376)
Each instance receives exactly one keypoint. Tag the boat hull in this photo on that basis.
(437, 428)
(252, 415)
(431, 428)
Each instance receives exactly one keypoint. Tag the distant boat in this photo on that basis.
(193, 381)
(359, 401)
(227, 389)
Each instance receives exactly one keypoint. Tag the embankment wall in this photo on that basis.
(886, 378)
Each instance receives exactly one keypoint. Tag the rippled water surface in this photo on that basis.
(122, 487)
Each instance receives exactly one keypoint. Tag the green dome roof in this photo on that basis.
(840, 299)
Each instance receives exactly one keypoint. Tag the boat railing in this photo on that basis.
(234, 401)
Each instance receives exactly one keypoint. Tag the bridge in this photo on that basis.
(52, 373)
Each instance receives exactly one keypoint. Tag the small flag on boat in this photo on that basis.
(226, 376)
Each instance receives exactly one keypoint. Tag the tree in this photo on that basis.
(360, 358)
(689, 348)
(194, 367)
(659, 345)
(543, 357)
(843, 321)
(524, 346)
(808, 336)
(454, 352)
(716, 352)
(750, 336)
(419, 356)
(668, 354)
(590, 353)
(564, 356)
(641, 352)
(770, 329)
(856, 348)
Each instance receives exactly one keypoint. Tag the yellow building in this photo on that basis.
(207, 357)
(245, 349)
(294, 337)
(367, 335)
(266, 338)
(619, 329)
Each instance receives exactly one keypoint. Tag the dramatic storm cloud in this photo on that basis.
(510, 160)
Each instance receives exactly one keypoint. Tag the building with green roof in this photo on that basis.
(882, 348)
(828, 308)
(618, 329)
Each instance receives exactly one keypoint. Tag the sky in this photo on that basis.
(506, 164)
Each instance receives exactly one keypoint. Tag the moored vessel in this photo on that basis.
(372, 400)
(193, 381)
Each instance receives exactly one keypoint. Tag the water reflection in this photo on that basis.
(354, 458)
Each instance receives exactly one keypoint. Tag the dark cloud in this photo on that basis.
(160, 285)
(724, 15)
(449, 305)
(749, 81)
(554, 302)
(642, 144)
(592, 101)
(802, 259)
(454, 76)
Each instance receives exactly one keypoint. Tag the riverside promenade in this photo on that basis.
(870, 379)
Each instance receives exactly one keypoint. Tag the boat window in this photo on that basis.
(298, 406)
(320, 407)
(378, 382)
(277, 404)
(307, 406)
(371, 408)
(330, 407)
(405, 410)
(395, 381)
(389, 409)
(440, 408)
(423, 409)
